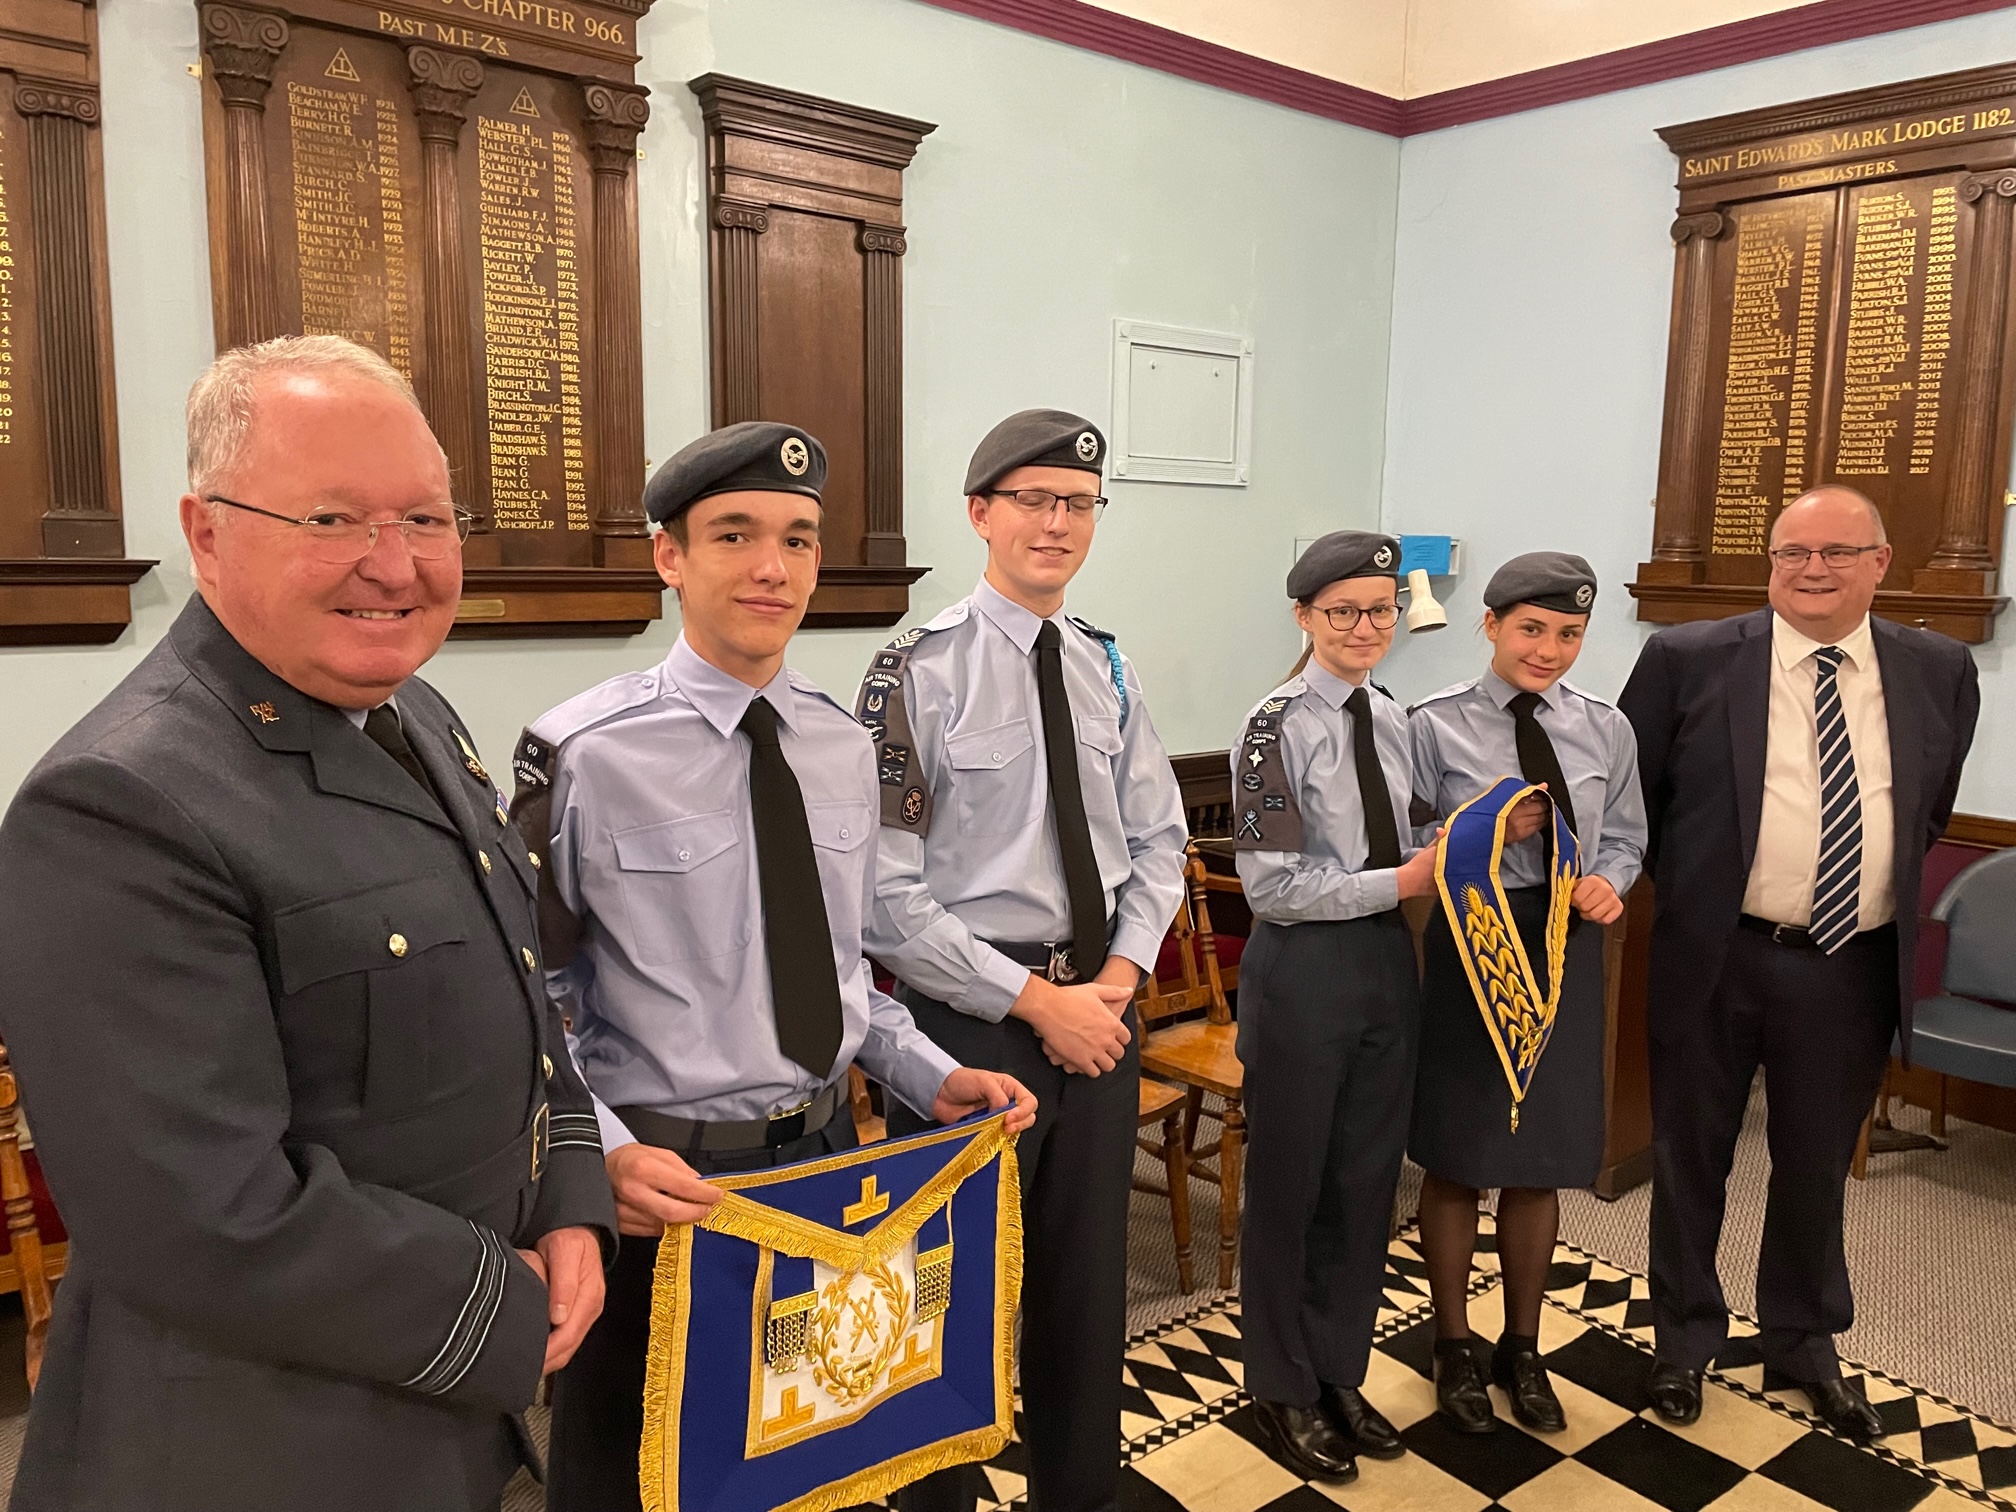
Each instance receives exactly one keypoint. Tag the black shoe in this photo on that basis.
(1459, 1388)
(1360, 1422)
(1843, 1408)
(1675, 1393)
(1524, 1378)
(1302, 1439)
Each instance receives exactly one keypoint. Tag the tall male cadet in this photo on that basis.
(709, 836)
(1032, 858)
(1787, 923)
(276, 1002)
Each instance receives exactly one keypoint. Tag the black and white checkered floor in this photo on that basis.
(1192, 1445)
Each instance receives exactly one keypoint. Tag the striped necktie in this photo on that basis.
(1837, 885)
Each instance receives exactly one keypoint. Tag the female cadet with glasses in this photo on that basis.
(1328, 1007)
(1518, 719)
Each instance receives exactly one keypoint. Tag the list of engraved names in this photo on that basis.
(1878, 381)
(528, 233)
(6, 304)
(350, 218)
(1767, 388)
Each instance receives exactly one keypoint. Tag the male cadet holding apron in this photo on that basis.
(709, 837)
(1031, 860)
(1329, 1007)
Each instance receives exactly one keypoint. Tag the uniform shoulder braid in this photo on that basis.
(1111, 646)
(1263, 799)
(885, 715)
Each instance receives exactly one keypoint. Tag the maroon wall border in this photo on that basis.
(1816, 24)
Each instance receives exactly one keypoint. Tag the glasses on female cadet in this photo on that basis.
(1037, 501)
(1833, 556)
(333, 536)
(1346, 616)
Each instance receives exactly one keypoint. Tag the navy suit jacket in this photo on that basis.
(1699, 699)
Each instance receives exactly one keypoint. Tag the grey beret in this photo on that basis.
(754, 455)
(1554, 580)
(1343, 554)
(1036, 438)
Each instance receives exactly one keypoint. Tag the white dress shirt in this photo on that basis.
(1788, 836)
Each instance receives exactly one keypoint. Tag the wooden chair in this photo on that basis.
(869, 1126)
(1162, 1104)
(29, 1266)
(1201, 1055)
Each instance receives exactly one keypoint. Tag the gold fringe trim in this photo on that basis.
(671, 1303)
(740, 1218)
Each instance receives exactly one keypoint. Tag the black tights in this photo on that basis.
(1528, 1220)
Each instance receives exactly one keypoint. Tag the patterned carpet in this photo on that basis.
(1192, 1444)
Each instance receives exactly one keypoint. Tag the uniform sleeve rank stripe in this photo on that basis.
(1265, 813)
(471, 1329)
(884, 713)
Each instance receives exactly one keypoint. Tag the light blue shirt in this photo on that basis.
(1464, 741)
(989, 868)
(654, 849)
(1327, 878)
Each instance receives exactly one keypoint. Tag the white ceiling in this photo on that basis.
(1408, 48)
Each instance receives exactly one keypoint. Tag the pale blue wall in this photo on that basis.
(1149, 197)
(1534, 274)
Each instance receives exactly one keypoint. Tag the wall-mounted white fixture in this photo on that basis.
(1182, 405)
(1424, 612)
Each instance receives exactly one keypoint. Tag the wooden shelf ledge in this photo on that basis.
(73, 601)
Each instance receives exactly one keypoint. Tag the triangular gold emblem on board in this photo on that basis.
(340, 67)
(523, 104)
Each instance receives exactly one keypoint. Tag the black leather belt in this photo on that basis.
(496, 1177)
(1794, 935)
(669, 1133)
(1053, 961)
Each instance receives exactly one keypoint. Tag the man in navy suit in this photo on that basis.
(1798, 763)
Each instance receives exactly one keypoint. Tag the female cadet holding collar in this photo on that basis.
(1328, 1007)
(1518, 718)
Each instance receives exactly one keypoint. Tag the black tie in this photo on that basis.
(1537, 761)
(804, 989)
(1067, 803)
(1382, 834)
(382, 725)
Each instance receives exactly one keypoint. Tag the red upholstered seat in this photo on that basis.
(46, 1221)
(1169, 964)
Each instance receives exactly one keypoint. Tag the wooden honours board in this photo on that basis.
(1841, 313)
(452, 182)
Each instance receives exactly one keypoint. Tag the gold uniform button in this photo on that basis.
(533, 857)
(547, 1062)
(524, 954)
(397, 945)
(484, 858)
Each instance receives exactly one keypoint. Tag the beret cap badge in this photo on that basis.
(1585, 596)
(794, 456)
(1088, 447)
(1383, 557)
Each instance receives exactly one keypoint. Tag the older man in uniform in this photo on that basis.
(1032, 858)
(334, 1190)
(710, 830)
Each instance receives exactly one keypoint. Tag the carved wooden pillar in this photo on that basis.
(741, 396)
(882, 249)
(78, 520)
(1962, 561)
(614, 117)
(442, 85)
(1677, 525)
(242, 47)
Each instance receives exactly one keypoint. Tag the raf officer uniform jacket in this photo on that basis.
(281, 1024)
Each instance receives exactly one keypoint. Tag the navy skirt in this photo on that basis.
(1461, 1128)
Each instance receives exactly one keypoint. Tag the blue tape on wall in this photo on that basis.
(1427, 552)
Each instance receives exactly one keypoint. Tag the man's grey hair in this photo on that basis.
(1840, 491)
(220, 404)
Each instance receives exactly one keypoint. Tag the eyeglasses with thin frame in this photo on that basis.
(432, 531)
(1346, 616)
(1836, 557)
(1037, 501)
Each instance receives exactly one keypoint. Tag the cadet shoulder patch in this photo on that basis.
(883, 713)
(533, 764)
(1265, 815)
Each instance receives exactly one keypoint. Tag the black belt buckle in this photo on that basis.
(787, 1126)
(1063, 969)
(541, 1122)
